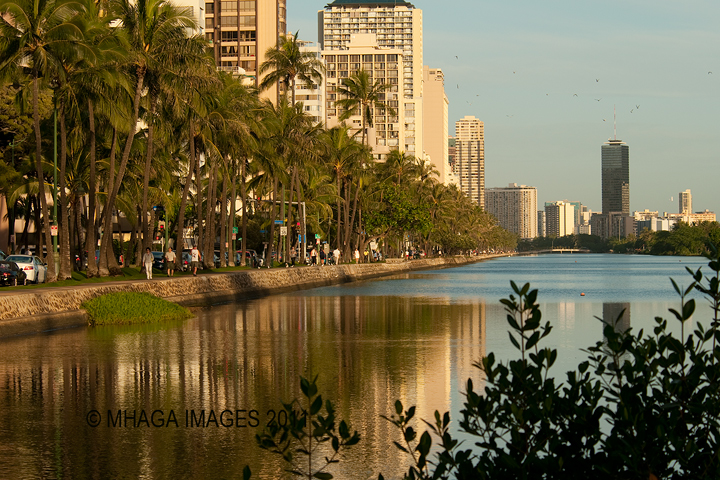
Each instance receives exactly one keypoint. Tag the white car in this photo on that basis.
(34, 267)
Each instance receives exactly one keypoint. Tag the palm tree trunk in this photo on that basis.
(231, 223)
(339, 223)
(50, 255)
(199, 204)
(289, 211)
(64, 232)
(224, 237)
(110, 205)
(91, 238)
(147, 237)
(210, 223)
(243, 194)
(271, 243)
(180, 232)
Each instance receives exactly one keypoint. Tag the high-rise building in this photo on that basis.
(362, 52)
(241, 31)
(312, 96)
(435, 121)
(560, 219)
(515, 208)
(396, 25)
(615, 177)
(541, 225)
(685, 201)
(470, 159)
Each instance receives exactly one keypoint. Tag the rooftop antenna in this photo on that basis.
(614, 124)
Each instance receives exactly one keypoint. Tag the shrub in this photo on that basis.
(641, 406)
(132, 307)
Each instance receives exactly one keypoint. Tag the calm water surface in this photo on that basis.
(412, 337)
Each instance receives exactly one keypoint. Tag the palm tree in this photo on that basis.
(32, 33)
(362, 97)
(156, 32)
(287, 62)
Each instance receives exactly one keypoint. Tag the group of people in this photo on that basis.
(149, 259)
(320, 257)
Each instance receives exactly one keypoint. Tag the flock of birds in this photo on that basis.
(597, 80)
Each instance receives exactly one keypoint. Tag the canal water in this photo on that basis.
(186, 400)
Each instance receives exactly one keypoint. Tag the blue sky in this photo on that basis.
(544, 77)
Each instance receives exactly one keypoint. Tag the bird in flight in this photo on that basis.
(631, 110)
(637, 107)
(604, 120)
(456, 56)
(509, 116)
(709, 73)
(598, 99)
(574, 94)
(597, 80)
(458, 86)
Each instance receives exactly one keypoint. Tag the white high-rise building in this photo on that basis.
(435, 122)
(515, 208)
(560, 218)
(685, 201)
(470, 158)
(396, 25)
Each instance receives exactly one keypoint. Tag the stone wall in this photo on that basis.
(47, 309)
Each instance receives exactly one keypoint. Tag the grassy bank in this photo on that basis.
(132, 307)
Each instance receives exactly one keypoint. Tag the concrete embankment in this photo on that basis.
(39, 310)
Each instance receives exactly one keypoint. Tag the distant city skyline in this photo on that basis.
(544, 79)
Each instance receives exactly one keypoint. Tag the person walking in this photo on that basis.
(336, 256)
(313, 256)
(357, 255)
(170, 262)
(194, 259)
(293, 256)
(148, 262)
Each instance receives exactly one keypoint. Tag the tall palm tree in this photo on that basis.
(287, 62)
(362, 97)
(32, 33)
(156, 31)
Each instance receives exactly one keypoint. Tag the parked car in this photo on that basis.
(35, 269)
(11, 274)
(251, 258)
(159, 260)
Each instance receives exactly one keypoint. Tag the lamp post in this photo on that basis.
(55, 181)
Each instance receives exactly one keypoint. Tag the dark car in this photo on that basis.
(158, 260)
(11, 274)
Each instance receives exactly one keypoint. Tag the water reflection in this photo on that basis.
(242, 358)
(617, 315)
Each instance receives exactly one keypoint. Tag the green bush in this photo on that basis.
(641, 406)
(132, 307)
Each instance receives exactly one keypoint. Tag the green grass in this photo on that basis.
(131, 308)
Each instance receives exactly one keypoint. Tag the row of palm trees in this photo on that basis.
(145, 120)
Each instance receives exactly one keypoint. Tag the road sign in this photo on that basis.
(235, 230)
(234, 235)
(53, 230)
(279, 222)
(283, 231)
(317, 235)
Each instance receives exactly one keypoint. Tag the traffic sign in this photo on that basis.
(53, 230)
(235, 230)
(283, 231)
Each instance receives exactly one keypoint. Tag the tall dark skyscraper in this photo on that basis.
(615, 177)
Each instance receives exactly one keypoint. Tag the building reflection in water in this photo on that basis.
(617, 315)
(367, 351)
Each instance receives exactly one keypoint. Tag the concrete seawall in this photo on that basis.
(41, 310)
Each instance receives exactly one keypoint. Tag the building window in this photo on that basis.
(229, 36)
(247, 21)
(228, 7)
(210, 8)
(228, 21)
